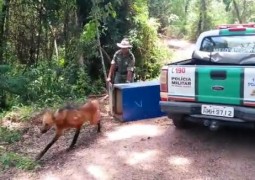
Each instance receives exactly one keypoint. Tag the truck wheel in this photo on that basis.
(179, 121)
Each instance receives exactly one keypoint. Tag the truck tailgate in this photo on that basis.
(232, 85)
(219, 85)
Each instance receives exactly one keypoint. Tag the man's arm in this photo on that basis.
(130, 68)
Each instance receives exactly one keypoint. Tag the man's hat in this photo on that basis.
(124, 44)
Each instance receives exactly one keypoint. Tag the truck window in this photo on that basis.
(234, 44)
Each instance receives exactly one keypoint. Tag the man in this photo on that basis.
(122, 64)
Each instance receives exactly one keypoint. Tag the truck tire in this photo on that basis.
(179, 121)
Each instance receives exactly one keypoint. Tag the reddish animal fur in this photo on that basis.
(69, 117)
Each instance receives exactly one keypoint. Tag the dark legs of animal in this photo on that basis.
(98, 127)
(48, 147)
(77, 132)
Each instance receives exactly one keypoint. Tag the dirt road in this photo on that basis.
(150, 149)
(182, 49)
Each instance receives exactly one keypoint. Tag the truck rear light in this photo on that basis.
(163, 96)
(237, 29)
(226, 26)
(163, 80)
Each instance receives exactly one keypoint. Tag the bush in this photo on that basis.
(54, 83)
(148, 50)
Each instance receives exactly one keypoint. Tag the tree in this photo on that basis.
(241, 10)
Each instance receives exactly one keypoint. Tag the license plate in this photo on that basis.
(222, 111)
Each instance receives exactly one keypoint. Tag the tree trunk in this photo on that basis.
(203, 11)
(186, 7)
(66, 22)
(244, 14)
(101, 54)
(39, 33)
(5, 9)
(237, 12)
(56, 47)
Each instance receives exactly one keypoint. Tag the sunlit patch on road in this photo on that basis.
(179, 161)
(135, 130)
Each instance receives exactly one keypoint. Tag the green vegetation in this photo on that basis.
(188, 18)
(51, 50)
(9, 136)
(10, 159)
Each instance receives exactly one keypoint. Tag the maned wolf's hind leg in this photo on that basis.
(98, 127)
(96, 119)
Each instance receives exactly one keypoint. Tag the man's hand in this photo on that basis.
(108, 79)
(129, 76)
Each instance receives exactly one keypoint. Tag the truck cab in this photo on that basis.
(216, 86)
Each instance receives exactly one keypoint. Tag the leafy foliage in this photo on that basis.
(10, 159)
(188, 18)
(9, 136)
(147, 47)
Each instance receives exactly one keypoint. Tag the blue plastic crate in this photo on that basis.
(136, 101)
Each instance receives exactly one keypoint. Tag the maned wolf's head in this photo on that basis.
(47, 121)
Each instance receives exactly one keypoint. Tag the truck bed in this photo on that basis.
(194, 61)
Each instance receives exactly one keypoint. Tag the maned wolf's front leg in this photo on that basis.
(58, 134)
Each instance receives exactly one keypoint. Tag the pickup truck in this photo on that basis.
(216, 87)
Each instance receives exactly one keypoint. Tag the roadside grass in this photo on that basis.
(11, 159)
(9, 136)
